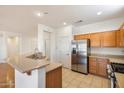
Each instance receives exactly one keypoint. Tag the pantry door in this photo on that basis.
(63, 51)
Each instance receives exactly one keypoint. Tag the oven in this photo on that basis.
(111, 76)
(111, 69)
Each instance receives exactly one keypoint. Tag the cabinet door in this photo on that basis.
(80, 37)
(118, 38)
(122, 37)
(102, 66)
(95, 39)
(108, 39)
(54, 78)
(92, 65)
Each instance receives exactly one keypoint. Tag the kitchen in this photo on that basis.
(39, 49)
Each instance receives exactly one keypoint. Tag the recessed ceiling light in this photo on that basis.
(40, 14)
(64, 23)
(99, 13)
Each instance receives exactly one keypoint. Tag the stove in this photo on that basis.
(118, 67)
(111, 68)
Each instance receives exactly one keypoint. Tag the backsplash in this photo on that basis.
(111, 51)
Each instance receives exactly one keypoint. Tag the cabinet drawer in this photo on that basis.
(102, 60)
(92, 59)
(92, 70)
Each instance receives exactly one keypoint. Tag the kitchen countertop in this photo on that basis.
(120, 79)
(112, 58)
(52, 66)
(24, 64)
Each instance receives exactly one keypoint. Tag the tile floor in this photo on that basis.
(71, 79)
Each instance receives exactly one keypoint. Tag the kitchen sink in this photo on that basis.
(36, 56)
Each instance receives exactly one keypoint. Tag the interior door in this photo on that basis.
(13, 46)
(63, 51)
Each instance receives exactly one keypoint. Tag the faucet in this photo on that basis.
(36, 51)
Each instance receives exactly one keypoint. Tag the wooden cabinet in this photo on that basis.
(7, 76)
(80, 37)
(108, 39)
(54, 78)
(104, 39)
(120, 38)
(95, 40)
(98, 66)
(92, 65)
(102, 66)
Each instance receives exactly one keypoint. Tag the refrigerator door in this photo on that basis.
(82, 56)
(74, 56)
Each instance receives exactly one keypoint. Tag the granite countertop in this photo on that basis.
(120, 79)
(52, 66)
(112, 58)
(24, 64)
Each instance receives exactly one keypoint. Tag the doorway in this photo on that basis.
(13, 46)
(47, 44)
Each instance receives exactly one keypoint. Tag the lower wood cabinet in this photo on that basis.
(98, 66)
(92, 65)
(54, 78)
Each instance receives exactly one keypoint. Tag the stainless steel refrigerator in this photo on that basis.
(79, 55)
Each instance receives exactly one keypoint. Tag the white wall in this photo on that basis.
(28, 43)
(41, 46)
(3, 49)
(107, 25)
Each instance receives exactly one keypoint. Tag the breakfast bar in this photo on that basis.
(29, 73)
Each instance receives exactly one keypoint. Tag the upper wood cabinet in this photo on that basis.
(108, 39)
(95, 40)
(104, 39)
(120, 38)
(80, 37)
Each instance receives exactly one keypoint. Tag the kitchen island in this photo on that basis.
(32, 73)
(29, 73)
(54, 75)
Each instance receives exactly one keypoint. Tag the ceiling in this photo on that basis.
(23, 18)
